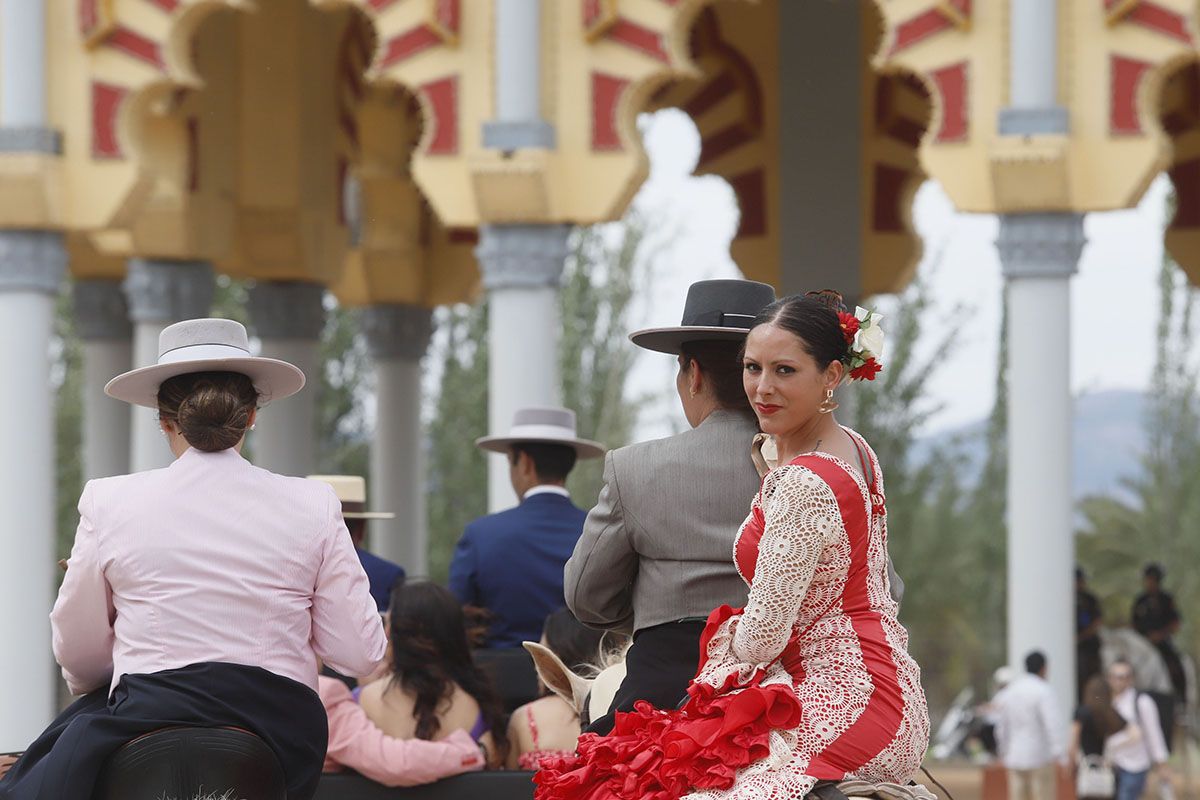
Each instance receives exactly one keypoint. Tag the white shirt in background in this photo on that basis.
(1029, 729)
(546, 488)
(1140, 744)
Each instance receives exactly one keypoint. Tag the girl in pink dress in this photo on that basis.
(812, 680)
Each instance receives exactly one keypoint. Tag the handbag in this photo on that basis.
(1095, 778)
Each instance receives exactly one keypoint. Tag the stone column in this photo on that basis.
(398, 335)
(32, 265)
(522, 266)
(1040, 253)
(518, 47)
(102, 321)
(288, 318)
(159, 293)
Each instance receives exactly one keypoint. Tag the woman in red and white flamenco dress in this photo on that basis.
(812, 680)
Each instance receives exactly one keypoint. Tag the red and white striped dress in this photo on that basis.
(811, 681)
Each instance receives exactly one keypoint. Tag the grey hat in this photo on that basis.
(718, 310)
(543, 426)
(206, 345)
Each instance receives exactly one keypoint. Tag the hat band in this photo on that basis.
(540, 432)
(721, 319)
(202, 352)
(353, 506)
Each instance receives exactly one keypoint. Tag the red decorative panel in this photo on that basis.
(1186, 178)
(442, 96)
(951, 83)
(463, 235)
(751, 191)
(606, 93)
(920, 27)
(342, 171)
(712, 93)
(106, 102)
(722, 142)
(1125, 76)
(408, 44)
(591, 12)
(166, 5)
(1167, 22)
(134, 44)
(889, 186)
(449, 14)
(89, 17)
(639, 38)
(379, 5)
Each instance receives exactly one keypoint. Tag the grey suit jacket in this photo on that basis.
(658, 546)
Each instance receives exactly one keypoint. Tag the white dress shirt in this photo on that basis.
(546, 488)
(1139, 745)
(212, 559)
(1029, 729)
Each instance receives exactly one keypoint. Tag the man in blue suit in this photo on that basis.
(511, 562)
(381, 573)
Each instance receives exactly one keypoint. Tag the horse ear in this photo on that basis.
(554, 673)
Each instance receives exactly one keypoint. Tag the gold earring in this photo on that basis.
(828, 405)
(691, 391)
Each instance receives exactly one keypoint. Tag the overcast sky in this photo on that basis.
(1114, 295)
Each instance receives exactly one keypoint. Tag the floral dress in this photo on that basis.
(811, 681)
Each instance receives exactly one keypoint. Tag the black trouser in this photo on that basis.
(658, 668)
(66, 760)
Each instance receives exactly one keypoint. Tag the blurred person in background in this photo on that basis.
(1029, 735)
(1139, 748)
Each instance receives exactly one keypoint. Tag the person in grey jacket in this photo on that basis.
(656, 554)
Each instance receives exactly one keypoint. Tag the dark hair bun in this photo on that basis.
(813, 319)
(829, 298)
(212, 409)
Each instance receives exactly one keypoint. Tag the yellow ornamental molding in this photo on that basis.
(602, 60)
(1114, 57)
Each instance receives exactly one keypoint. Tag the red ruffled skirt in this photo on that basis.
(662, 755)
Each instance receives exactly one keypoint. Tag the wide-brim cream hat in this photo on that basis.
(543, 426)
(715, 311)
(206, 345)
(351, 490)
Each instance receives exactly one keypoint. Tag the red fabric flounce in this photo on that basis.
(662, 755)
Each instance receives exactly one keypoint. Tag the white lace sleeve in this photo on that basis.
(801, 516)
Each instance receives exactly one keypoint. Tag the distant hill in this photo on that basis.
(1108, 441)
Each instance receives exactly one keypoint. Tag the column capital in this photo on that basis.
(1040, 245)
(32, 261)
(397, 330)
(31, 140)
(522, 256)
(287, 309)
(168, 291)
(100, 310)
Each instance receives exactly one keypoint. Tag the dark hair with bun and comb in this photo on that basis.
(813, 319)
(211, 409)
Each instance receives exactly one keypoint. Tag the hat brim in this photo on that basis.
(274, 379)
(671, 340)
(368, 515)
(584, 448)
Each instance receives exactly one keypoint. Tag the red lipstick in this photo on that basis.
(766, 409)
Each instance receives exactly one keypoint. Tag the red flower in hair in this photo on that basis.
(849, 324)
(867, 372)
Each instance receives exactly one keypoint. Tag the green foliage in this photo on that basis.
(456, 479)
(1158, 518)
(600, 279)
(346, 380)
(67, 376)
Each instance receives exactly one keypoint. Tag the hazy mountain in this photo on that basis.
(1108, 440)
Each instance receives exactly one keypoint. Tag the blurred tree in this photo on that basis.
(456, 471)
(66, 377)
(602, 273)
(347, 382)
(1158, 518)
